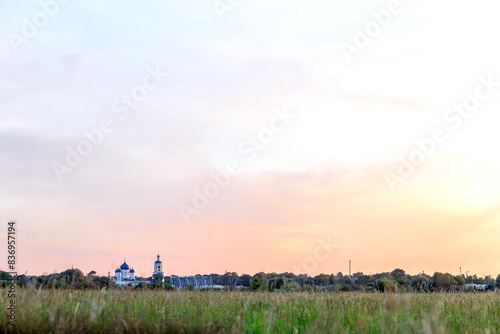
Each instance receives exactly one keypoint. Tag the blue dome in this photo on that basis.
(117, 270)
(124, 266)
(157, 261)
(132, 270)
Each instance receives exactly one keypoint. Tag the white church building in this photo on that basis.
(124, 275)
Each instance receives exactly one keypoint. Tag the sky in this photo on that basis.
(250, 136)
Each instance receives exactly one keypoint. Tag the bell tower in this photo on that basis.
(158, 266)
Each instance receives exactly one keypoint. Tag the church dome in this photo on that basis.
(132, 270)
(124, 266)
(117, 270)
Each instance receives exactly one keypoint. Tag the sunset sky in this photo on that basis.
(312, 189)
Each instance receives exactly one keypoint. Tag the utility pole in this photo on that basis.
(460, 271)
(350, 268)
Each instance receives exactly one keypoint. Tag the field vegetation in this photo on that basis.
(160, 311)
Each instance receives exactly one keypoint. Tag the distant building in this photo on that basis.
(481, 287)
(198, 282)
(124, 275)
(158, 270)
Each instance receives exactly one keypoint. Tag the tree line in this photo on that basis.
(396, 280)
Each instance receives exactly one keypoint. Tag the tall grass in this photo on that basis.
(57, 311)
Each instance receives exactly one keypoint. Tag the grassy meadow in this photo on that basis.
(112, 311)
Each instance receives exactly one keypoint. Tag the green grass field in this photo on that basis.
(58, 311)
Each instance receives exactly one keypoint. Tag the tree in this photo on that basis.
(498, 281)
(346, 281)
(385, 285)
(228, 279)
(479, 280)
(22, 280)
(92, 273)
(338, 278)
(443, 281)
(321, 279)
(288, 275)
(245, 280)
(4, 276)
(101, 282)
(256, 284)
(365, 281)
(460, 280)
(384, 275)
(282, 284)
(157, 278)
(399, 276)
(290, 286)
(302, 279)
